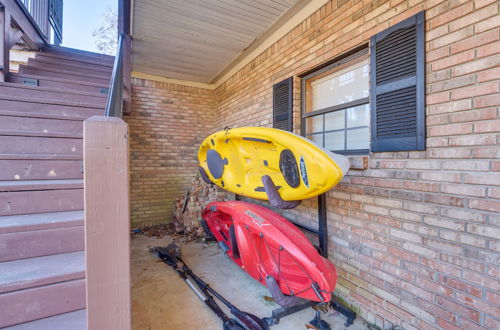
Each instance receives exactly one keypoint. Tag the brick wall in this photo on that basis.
(167, 125)
(414, 235)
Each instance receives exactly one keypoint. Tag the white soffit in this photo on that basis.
(196, 40)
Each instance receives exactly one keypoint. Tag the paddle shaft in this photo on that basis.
(251, 321)
(203, 295)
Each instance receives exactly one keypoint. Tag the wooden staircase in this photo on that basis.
(42, 109)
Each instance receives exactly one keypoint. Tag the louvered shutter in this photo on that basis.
(283, 105)
(397, 79)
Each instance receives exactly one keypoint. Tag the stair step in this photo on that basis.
(69, 65)
(38, 104)
(43, 93)
(63, 74)
(41, 302)
(49, 169)
(77, 53)
(10, 125)
(39, 221)
(30, 185)
(29, 273)
(37, 243)
(40, 145)
(60, 114)
(63, 84)
(77, 60)
(40, 157)
(27, 202)
(73, 320)
(40, 134)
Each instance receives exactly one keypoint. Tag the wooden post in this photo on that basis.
(4, 43)
(107, 223)
(124, 11)
(127, 67)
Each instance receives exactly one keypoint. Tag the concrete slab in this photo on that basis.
(161, 300)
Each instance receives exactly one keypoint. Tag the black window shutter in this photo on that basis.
(397, 93)
(283, 105)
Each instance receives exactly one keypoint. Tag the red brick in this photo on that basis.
(474, 140)
(441, 267)
(486, 25)
(487, 101)
(452, 37)
(478, 304)
(463, 262)
(469, 325)
(464, 190)
(434, 287)
(451, 15)
(477, 65)
(448, 107)
(477, 90)
(447, 325)
(451, 129)
(437, 53)
(487, 126)
(474, 42)
(435, 310)
(487, 75)
(482, 178)
(437, 98)
(453, 60)
(489, 49)
(473, 115)
(476, 16)
(491, 323)
(461, 286)
(446, 153)
(417, 291)
(457, 308)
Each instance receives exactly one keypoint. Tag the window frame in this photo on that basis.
(306, 100)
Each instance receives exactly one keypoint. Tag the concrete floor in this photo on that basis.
(161, 300)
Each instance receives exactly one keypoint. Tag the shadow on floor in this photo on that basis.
(162, 301)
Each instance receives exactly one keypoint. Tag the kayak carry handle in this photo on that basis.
(274, 197)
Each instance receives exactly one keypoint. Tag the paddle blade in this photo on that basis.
(250, 321)
(169, 254)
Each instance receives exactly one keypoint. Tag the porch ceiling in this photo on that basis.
(196, 40)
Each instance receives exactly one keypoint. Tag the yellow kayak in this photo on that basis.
(236, 160)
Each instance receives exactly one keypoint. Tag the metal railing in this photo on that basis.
(114, 103)
(45, 14)
(56, 19)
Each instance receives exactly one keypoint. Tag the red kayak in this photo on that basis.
(264, 243)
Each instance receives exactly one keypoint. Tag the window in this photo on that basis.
(336, 109)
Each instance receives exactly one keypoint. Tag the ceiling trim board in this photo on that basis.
(147, 76)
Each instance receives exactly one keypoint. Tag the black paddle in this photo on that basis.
(171, 255)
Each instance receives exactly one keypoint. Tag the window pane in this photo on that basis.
(340, 87)
(335, 141)
(358, 116)
(317, 138)
(335, 120)
(358, 138)
(314, 124)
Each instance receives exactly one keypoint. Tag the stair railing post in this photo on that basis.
(107, 223)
